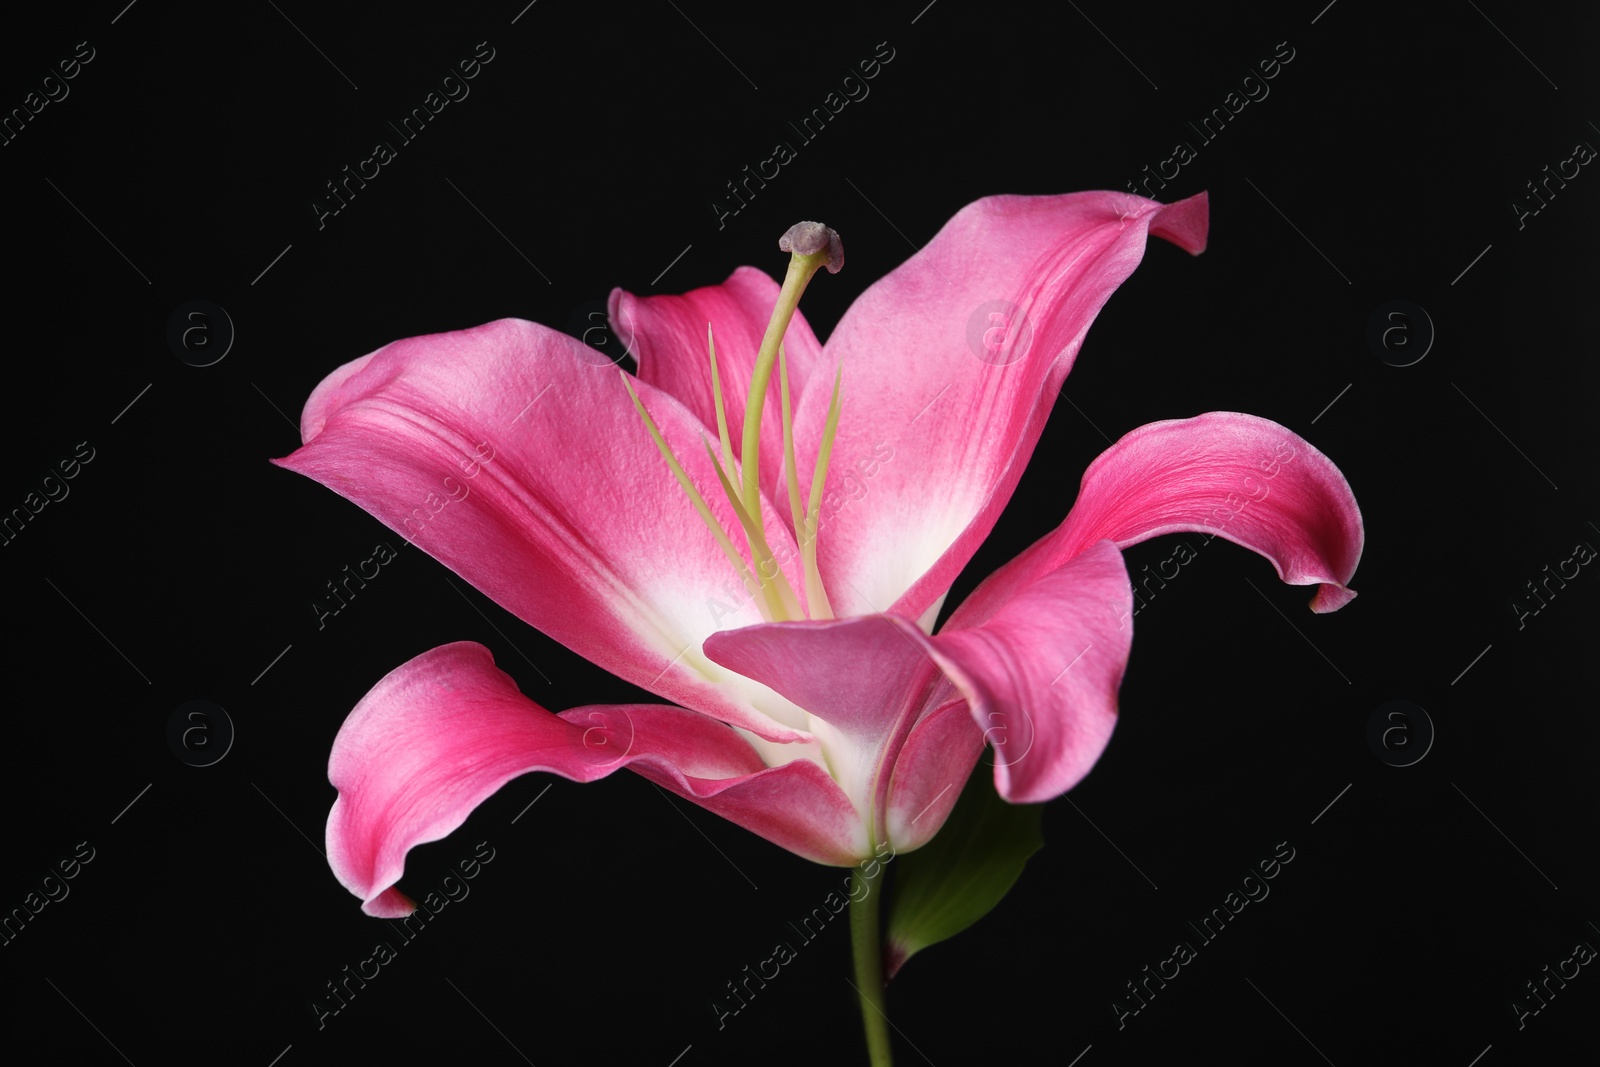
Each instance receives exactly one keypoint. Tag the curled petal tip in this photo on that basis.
(1331, 597)
(810, 238)
(390, 904)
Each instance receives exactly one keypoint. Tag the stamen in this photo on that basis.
(811, 246)
(722, 414)
(817, 599)
(779, 593)
(694, 496)
(788, 444)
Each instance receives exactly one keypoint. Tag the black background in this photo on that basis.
(183, 565)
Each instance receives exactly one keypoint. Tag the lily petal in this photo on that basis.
(667, 335)
(1038, 680)
(991, 313)
(1041, 674)
(441, 733)
(864, 681)
(1239, 477)
(467, 444)
(929, 771)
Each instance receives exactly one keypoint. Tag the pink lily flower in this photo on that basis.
(810, 699)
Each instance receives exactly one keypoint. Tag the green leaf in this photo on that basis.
(958, 877)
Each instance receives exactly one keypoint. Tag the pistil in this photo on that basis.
(811, 246)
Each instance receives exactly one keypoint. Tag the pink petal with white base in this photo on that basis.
(954, 361)
(441, 733)
(864, 681)
(469, 444)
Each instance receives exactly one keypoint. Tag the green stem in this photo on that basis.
(867, 943)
